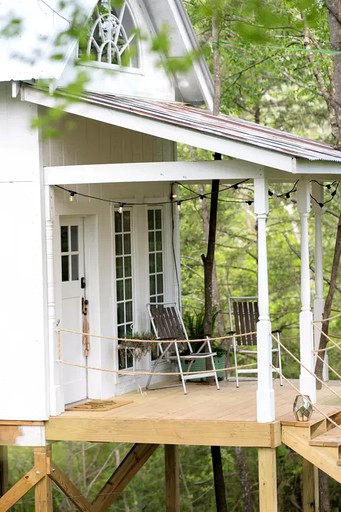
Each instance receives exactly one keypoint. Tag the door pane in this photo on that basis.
(65, 268)
(74, 238)
(64, 238)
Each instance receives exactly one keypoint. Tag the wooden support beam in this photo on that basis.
(43, 488)
(308, 486)
(3, 470)
(172, 484)
(69, 489)
(134, 460)
(267, 479)
(20, 489)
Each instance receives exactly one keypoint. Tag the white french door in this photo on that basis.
(73, 296)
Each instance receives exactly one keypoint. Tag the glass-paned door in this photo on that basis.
(124, 282)
(72, 270)
(156, 266)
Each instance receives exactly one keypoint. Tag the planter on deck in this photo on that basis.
(200, 365)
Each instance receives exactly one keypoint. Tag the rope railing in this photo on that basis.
(134, 371)
(314, 406)
(323, 383)
(307, 369)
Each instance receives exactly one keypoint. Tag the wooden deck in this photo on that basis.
(204, 416)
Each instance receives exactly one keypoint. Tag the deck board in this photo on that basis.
(205, 416)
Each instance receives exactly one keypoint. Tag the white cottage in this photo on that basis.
(90, 234)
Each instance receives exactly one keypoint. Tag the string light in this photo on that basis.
(199, 196)
(332, 194)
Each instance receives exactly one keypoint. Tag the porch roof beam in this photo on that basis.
(162, 129)
(225, 170)
(319, 169)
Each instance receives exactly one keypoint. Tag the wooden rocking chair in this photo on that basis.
(169, 327)
(243, 312)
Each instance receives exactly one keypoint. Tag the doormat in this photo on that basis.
(98, 405)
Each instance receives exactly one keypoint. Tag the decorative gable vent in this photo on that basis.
(112, 35)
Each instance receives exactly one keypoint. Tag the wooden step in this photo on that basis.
(331, 437)
(325, 457)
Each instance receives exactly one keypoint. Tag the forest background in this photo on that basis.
(274, 62)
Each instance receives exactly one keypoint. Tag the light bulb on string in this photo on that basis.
(179, 205)
(120, 210)
(71, 197)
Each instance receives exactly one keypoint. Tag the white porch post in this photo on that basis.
(265, 392)
(56, 399)
(317, 192)
(307, 380)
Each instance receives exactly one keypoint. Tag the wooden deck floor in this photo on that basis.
(204, 416)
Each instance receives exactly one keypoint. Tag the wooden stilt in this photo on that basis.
(43, 489)
(134, 460)
(69, 489)
(3, 470)
(172, 484)
(308, 486)
(267, 479)
(20, 489)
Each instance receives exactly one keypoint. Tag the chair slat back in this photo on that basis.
(167, 322)
(245, 317)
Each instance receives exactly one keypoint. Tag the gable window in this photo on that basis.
(124, 283)
(112, 36)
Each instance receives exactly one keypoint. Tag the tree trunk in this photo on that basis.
(244, 479)
(328, 304)
(334, 15)
(219, 484)
(216, 66)
(208, 260)
(220, 322)
(324, 492)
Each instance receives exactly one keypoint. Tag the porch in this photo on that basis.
(205, 416)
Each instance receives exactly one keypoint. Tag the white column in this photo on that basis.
(318, 307)
(56, 398)
(307, 380)
(265, 392)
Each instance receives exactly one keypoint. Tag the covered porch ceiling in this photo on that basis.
(253, 151)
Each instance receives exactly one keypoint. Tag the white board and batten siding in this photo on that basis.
(94, 142)
(23, 309)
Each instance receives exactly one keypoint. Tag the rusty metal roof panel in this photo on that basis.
(221, 126)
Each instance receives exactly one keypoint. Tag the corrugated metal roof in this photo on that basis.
(222, 126)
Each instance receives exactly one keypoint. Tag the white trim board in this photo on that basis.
(159, 171)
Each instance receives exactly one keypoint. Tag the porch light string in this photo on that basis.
(285, 195)
(178, 201)
(174, 199)
(333, 193)
(208, 195)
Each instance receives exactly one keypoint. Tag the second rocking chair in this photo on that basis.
(243, 312)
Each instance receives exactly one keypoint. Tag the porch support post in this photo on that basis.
(307, 380)
(172, 483)
(267, 479)
(265, 392)
(308, 486)
(3, 470)
(318, 307)
(56, 400)
(43, 488)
